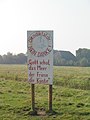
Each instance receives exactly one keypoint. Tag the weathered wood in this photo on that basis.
(33, 96)
(50, 97)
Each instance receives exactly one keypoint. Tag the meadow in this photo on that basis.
(71, 94)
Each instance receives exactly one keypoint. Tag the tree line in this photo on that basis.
(83, 57)
(60, 58)
(66, 58)
(9, 58)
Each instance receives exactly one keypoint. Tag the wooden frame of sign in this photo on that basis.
(40, 61)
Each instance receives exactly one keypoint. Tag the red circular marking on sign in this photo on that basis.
(40, 44)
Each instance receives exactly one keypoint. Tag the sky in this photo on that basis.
(69, 19)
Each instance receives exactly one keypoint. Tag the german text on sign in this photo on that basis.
(40, 56)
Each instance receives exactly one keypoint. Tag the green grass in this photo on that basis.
(71, 94)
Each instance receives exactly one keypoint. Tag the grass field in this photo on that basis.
(71, 94)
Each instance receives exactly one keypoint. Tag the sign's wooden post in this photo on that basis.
(33, 97)
(50, 98)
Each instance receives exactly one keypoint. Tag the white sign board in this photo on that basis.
(40, 56)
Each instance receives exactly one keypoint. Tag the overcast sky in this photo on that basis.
(69, 19)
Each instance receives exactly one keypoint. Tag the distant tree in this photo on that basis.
(9, 58)
(84, 62)
(4, 59)
(21, 58)
(71, 62)
(83, 55)
(1, 60)
(63, 62)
